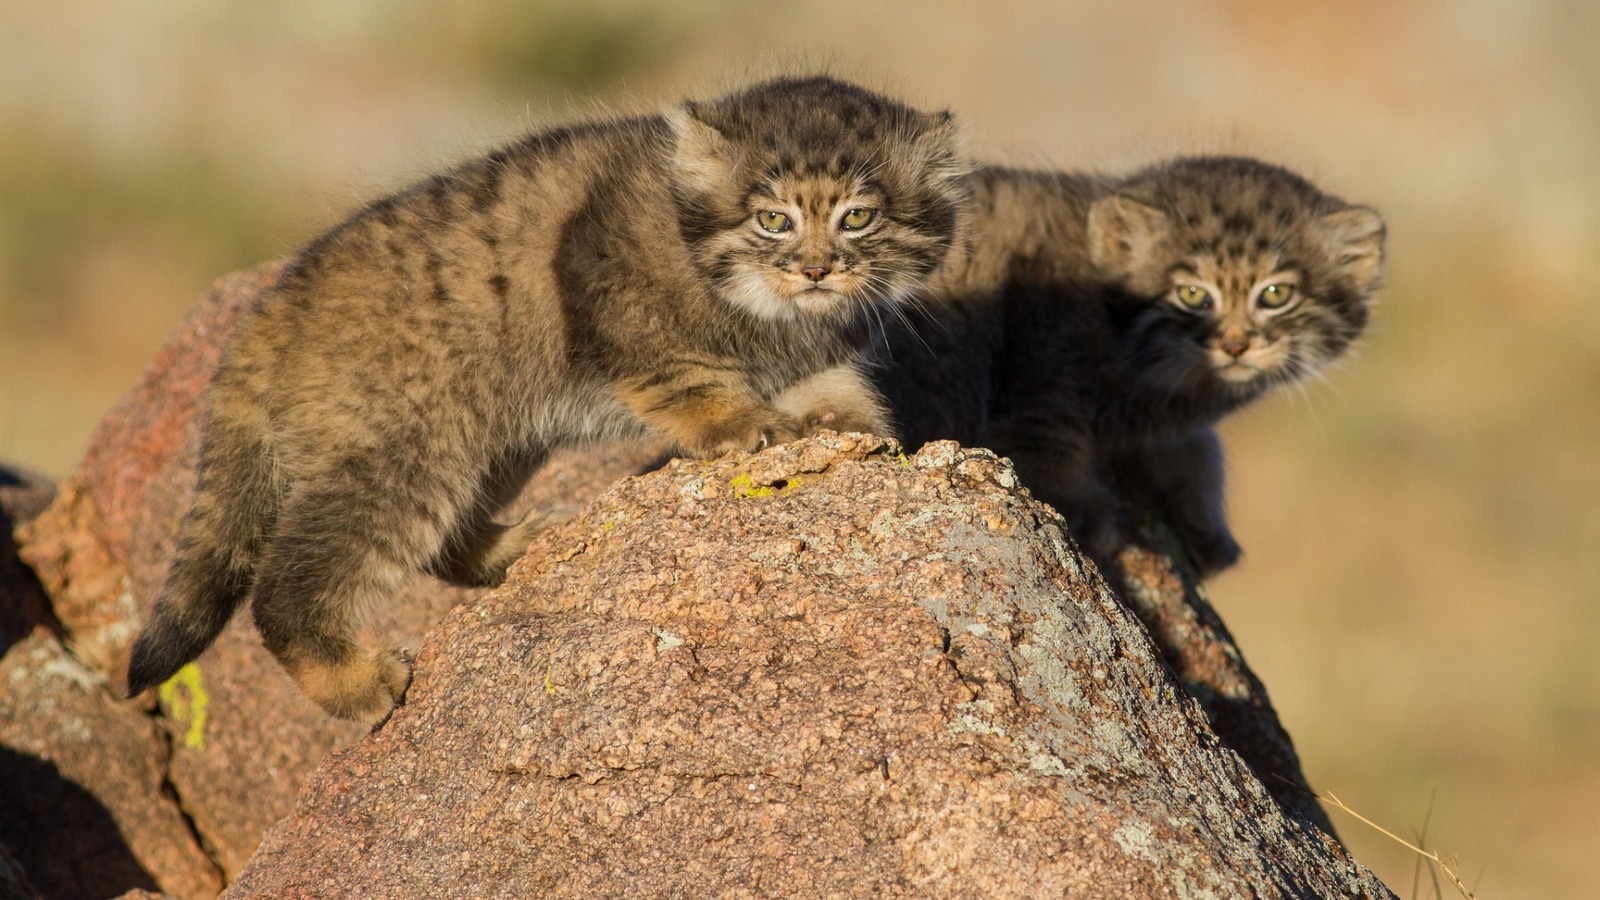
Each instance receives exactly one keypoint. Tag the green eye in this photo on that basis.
(858, 218)
(1193, 296)
(773, 221)
(1275, 296)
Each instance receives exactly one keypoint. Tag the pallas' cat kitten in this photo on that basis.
(1096, 328)
(412, 367)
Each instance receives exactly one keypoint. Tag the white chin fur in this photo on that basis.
(1238, 373)
(760, 296)
(1255, 363)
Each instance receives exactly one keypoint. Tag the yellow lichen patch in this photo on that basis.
(549, 684)
(189, 704)
(744, 487)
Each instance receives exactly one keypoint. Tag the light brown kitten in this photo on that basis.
(670, 274)
(1094, 329)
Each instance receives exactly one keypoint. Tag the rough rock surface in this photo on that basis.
(82, 777)
(235, 741)
(23, 605)
(1197, 646)
(824, 670)
(82, 810)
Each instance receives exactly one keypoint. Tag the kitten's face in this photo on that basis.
(816, 198)
(1249, 276)
(815, 244)
(1239, 318)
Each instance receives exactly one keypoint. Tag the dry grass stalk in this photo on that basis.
(1445, 864)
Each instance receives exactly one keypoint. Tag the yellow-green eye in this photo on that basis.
(1194, 296)
(858, 218)
(1275, 296)
(773, 221)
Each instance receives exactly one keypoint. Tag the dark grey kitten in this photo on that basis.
(671, 274)
(1096, 328)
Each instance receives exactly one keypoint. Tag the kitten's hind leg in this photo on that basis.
(841, 399)
(1180, 479)
(1054, 458)
(478, 549)
(338, 550)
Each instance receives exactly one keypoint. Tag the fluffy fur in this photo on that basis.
(671, 273)
(1095, 328)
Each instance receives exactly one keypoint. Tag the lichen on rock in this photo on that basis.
(831, 667)
(892, 679)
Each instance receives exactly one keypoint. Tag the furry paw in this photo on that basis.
(751, 432)
(1094, 518)
(832, 420)
(836, 399)
(1211, 551)
(1101, 536)
(362, 687)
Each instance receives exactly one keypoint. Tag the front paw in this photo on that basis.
(839, 420)
(749, 432)
(836, 399)
(1099, 533)
(1094, 518)
(1211, 551)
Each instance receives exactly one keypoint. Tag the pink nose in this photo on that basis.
(1235, 346)
(815, 273)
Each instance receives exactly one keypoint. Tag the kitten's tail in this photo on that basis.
(211, 572)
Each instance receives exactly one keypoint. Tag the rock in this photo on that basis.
(23, 605)
(1197, 646)
(101, 548)
(23, 493)
(100, 551)
(82, 777)
(823, 670)
(243, 739)
(13, 881)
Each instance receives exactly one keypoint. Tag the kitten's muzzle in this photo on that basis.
(1237, 372)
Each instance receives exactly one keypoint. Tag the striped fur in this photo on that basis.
(1057, 335)
(414, 365)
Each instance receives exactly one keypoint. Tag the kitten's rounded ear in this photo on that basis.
(1355, 237)
(1123, 234)
(704, 160)
(933, 150)
(944, 141)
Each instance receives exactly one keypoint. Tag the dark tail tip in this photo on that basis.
(157, 655)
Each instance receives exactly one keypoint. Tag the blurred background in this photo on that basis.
(1421, 590)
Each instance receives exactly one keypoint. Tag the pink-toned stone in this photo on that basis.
(1195, 643)
(101, 548)
(243, 741)
(826, 670)
(84, 813)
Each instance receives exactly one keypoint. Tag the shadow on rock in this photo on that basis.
(65, 840)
